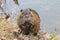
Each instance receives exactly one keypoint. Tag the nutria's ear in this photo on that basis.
(21, 10)
(29, 9)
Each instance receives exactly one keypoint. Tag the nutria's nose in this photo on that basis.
(26, 16)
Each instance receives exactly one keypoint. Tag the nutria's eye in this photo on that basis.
(21, 10)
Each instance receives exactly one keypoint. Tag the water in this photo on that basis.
(49, 11)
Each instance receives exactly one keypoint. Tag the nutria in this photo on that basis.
(28, 21)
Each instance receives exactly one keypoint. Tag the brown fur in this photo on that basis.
(35, 20)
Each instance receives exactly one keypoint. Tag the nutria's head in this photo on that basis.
(26, 15)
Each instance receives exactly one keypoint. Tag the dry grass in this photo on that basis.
(6, 32)
(6, 29)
